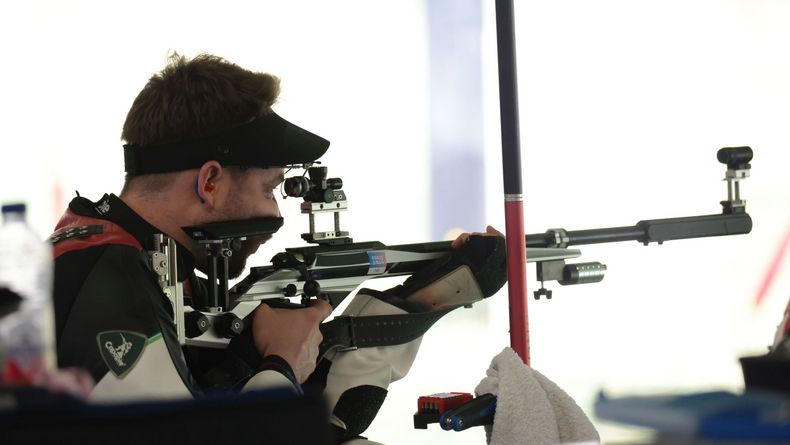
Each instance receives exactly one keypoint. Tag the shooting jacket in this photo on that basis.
(113, 319)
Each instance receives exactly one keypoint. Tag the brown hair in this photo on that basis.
(189, 99)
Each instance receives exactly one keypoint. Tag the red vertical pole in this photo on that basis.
(517, 283)
(511, 169)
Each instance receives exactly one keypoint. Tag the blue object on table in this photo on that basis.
(476, 412)
(753, 415)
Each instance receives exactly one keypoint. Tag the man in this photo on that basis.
(105, 295)
(203, 145)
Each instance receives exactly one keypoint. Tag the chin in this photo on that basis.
(236, 268)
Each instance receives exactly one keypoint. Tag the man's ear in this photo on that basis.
(207, 183)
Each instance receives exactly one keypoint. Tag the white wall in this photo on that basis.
(623, 106)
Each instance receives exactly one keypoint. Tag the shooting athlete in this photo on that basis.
(203, 145)
(105, 295)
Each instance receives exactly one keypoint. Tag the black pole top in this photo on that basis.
(508, 97)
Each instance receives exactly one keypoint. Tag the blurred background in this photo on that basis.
(623, 106)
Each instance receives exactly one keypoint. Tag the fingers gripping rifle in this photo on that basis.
(333, 266)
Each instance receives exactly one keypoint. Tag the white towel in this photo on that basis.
(531, 409)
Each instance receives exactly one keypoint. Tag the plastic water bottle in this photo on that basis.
(27, 326)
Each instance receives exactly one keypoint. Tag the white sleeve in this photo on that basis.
(353, 371)
(152, 377)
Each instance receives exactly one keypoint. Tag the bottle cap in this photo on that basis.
(14, 208)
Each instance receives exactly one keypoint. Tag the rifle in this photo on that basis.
(333, 266)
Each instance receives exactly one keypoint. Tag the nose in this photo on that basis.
(276, 208)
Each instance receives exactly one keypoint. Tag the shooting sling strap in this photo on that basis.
(348, 332)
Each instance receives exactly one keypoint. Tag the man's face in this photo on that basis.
(252, 194)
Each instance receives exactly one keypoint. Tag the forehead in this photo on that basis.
(274, 174)
(254, 177)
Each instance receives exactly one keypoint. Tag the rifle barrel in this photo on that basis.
(648, 231)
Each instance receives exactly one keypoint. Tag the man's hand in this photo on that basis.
(462, 238)
(291, 334)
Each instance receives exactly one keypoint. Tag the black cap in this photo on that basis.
(267, 141)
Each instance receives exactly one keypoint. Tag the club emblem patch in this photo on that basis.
(121, 350)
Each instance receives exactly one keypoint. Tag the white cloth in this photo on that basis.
(531, 409)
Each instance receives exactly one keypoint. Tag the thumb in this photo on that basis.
(322, 306)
